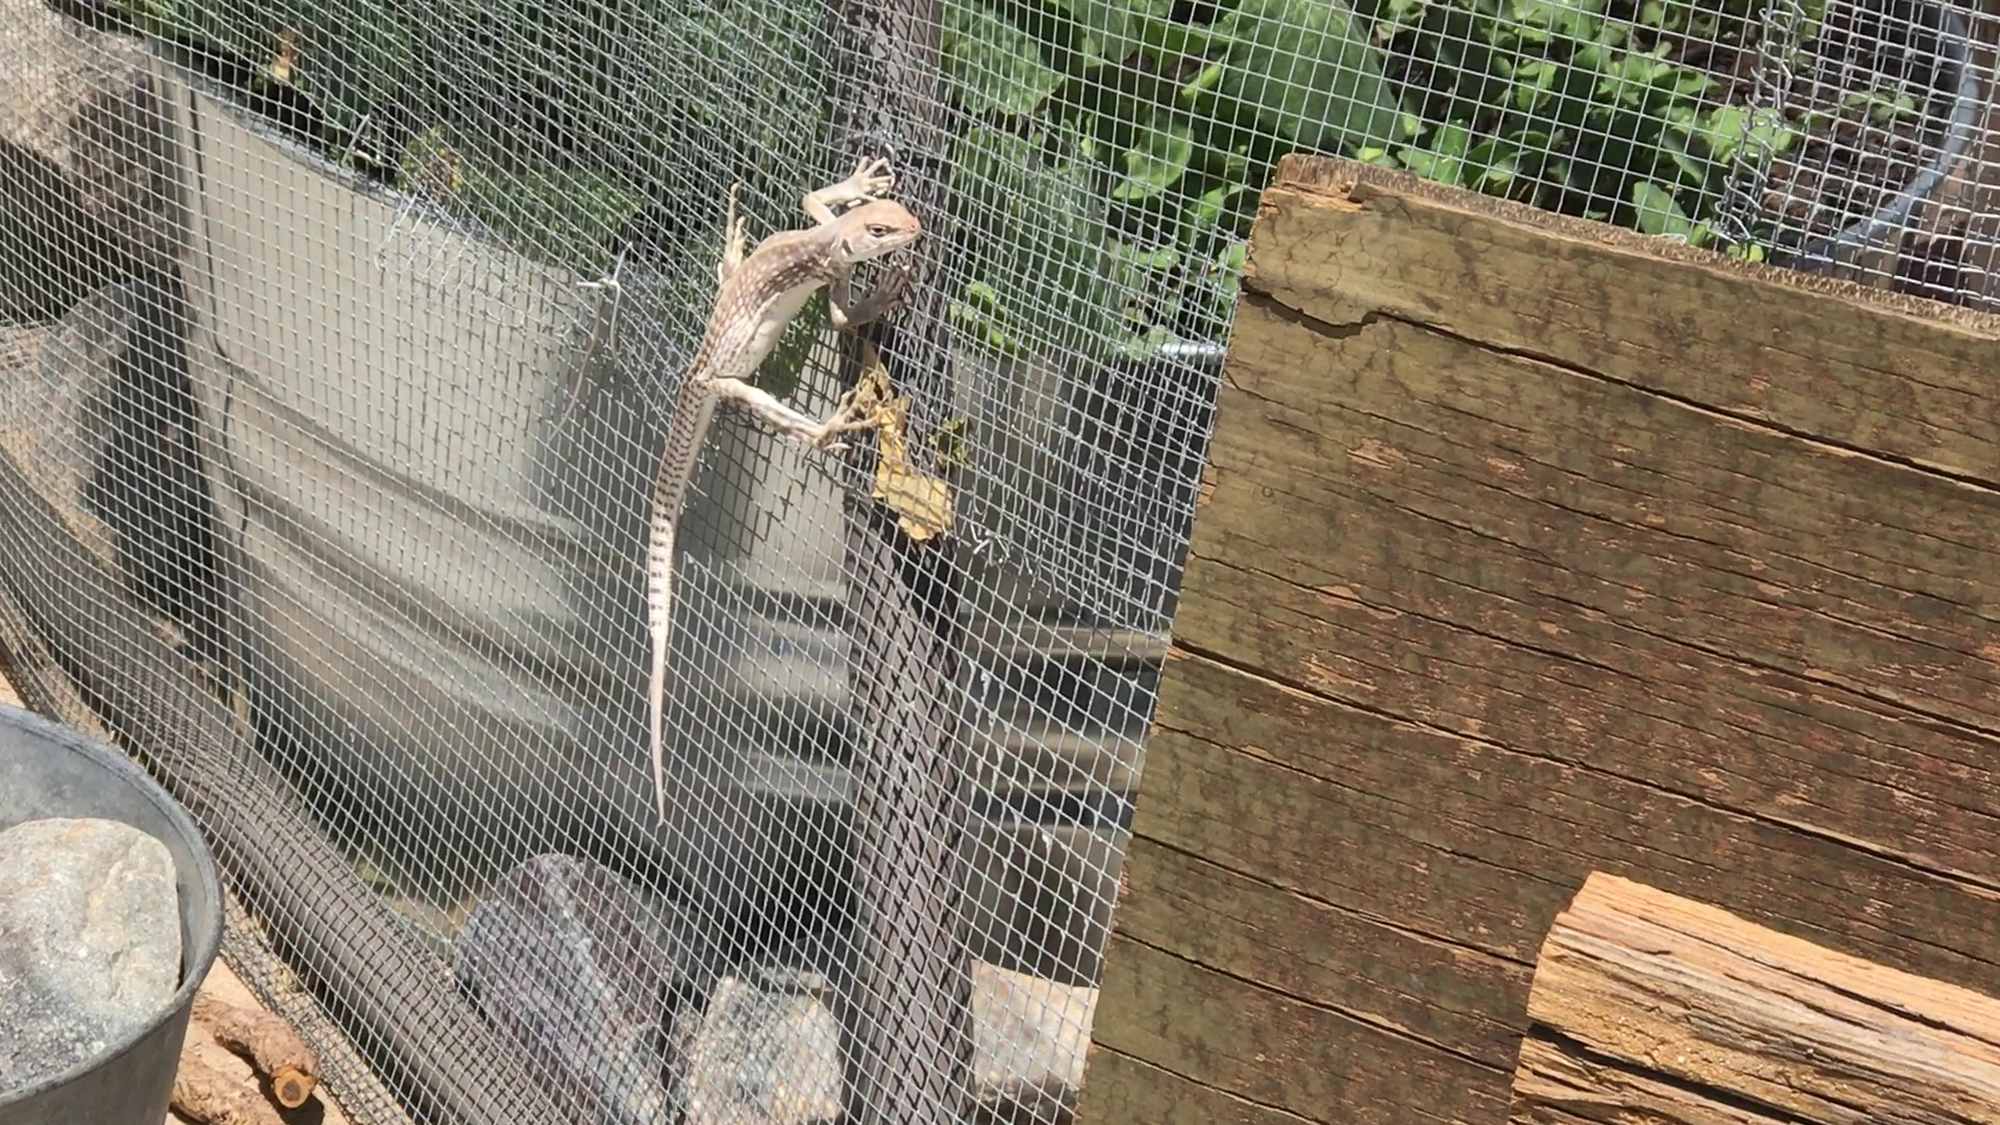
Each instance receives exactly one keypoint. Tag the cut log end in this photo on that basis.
(291, 1086)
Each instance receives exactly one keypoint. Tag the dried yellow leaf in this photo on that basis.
(923, 503)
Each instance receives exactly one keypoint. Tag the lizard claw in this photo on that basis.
(895, 283)
(845, 419)
(872, 178)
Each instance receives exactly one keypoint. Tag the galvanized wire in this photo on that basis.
(340, 341)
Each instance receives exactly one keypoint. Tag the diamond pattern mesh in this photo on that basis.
(340, 339)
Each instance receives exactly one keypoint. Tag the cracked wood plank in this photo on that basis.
(1402, 982)
(1529, 548)
(1273, 1049)
(1149, 1094)
(1902, 377)
(1649, 1007)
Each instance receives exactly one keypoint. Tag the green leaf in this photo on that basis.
(1453, 141)
(1884, 104)
(1034, 236)
(1307, 72)
(1722, 130)
(983, 313)
(1169, 40)
(994, 65)
(1569, 19)
(1498, 176)
(1533, 83)
(984, 327)
(1156, 161)
(1746, 251)
(1208, 210)
(1443, 160)
(1658, 212)
(1222, 282)
(1108, 31)
(1142, 258)
(1202, 83)
(1494, 165)
(1690, 169)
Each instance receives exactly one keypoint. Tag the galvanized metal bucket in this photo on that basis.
(47, 770)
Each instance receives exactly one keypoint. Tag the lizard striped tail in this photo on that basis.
(659, 617)
(671, 484)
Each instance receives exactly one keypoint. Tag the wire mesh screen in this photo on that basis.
(342, 341)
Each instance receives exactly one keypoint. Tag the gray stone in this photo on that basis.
(763, 1057)
(567, 963)
(771, 1055)
(90, 941)
(1029, 1036)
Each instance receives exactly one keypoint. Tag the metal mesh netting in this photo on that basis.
(340, 340)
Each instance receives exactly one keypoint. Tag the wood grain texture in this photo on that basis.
(1127, 1089)
(1530, 548)
(1659, 1008)
(1554, 1088)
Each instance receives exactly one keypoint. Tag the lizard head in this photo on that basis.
(875, 228)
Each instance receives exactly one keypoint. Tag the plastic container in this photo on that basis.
(50, 771)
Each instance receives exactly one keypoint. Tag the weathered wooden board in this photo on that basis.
(1649, 1007)
(1532, 548)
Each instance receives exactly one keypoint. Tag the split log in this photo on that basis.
(1647, 1007)
(267, 1042)
(207, 1096)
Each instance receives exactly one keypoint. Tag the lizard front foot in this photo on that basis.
(849, 312)
(734, 241)
(871, 179)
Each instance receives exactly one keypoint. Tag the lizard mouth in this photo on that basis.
(891, 258)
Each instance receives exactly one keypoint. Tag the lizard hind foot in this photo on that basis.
(843, 422)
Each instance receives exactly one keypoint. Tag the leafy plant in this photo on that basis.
(1147, 128)
(1108, 154)
(1882, 106)
(1113, 150)
(1575, 106)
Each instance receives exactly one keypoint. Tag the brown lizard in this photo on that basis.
(757, 297)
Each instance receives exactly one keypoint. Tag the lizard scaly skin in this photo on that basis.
(757, 297)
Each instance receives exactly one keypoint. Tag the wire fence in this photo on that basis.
(340, 340)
